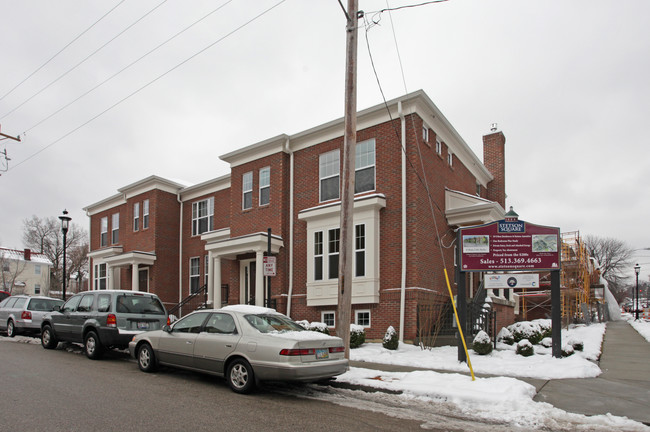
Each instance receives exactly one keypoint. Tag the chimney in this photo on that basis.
(494, 159)
(28, 254)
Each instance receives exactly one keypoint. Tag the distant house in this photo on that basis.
(417, 180)
(25, 272)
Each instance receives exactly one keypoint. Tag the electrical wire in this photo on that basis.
(61, 50)
(256, 17)
(85, 59)
(127, 67)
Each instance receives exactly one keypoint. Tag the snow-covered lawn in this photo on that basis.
(641, 326)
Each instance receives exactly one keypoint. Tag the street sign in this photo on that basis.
(269, 266)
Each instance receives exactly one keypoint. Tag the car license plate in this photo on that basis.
(322, 354)
(143, 326)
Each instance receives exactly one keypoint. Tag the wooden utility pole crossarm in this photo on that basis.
(4, 136)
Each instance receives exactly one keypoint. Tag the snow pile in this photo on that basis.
(641, 326)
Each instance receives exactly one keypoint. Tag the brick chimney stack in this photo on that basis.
(28, 254)
(494, 159)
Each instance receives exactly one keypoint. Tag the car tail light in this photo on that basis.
(26, 315)
(298, 351)
(337, 349)
(111, 320)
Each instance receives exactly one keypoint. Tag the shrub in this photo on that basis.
(315, 326)
(505, 336)
(525, 348)
(357, 335)
(482, 343)
(526, 330)
(545, 327)
(547, 342)
(391, 339)
(576, 344)
(567, 350)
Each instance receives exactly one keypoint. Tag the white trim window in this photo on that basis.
(202, 216)
(450, 158)
(145, 214)
(265, 186)
(318, 255)
(438, 146)
(37, 269)
(328, 318)
(195, 274)
(329, 167)
(247, 190)
(115, 228)
(100, 277)
(359, 250)
(37, 289)
(205, 270)
(425, 134)
(103, 231)
(333, 246)
(362, 318)
(364, 175)
(136, 216)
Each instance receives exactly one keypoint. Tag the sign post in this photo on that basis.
(514, 245)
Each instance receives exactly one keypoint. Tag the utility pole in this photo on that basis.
(3, 154)
(347, 195)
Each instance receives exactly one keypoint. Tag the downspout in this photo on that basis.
(290, 292)
(402, 300)
(180, 250)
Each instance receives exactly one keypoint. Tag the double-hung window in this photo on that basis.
(360, 250)
(103, 231)
(318, 255)
(202, 216)
(115, 228)
(145, 214)
(247, 190)
(333, 245)
(136, 216)
(195, 274)
(100, 276)
(438, 146)
(265, 186)
(328, 172)
(364, 162)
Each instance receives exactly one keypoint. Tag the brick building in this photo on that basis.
(416, 182)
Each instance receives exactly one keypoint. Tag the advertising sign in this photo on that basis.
(511, 280)
(508, 245)
(269, 266)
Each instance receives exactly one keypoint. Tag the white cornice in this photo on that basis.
(205, 188)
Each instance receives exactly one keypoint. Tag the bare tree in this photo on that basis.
(44, 235)
(10, 272)
(614, 258)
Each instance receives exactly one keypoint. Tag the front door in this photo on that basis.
(247, 282)
(143, 280)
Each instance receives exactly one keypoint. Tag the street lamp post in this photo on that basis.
(637, 270)
(65, 222)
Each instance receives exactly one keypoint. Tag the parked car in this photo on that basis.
(23, 314)
(102, 320)
(4, 295)
(244, 344)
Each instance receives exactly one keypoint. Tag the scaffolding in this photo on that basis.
(575, 278)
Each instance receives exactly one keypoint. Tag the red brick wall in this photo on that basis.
(494, 160)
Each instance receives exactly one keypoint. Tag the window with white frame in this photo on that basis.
(362, 318)
(318, 255)
(103, 231)
(450, 158)
(37, 289)
(100, 276)
(37, 269)
(247, 190)
(265, 186)
(195, 274)
(115, 228)
(328, 318)
(360, 250)
(478, 189)
(438, 146)
(328, 174)
(202, 216)
(333, 244)
(145, 214)
(364, 162)
(136, 216)
(205, 270)
(425, 133)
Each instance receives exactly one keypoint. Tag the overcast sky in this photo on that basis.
(568, 83)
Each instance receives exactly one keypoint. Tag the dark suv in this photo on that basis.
(102, 320)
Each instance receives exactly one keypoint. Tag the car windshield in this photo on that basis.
(128, 303)
(272, 323)
(45, 305)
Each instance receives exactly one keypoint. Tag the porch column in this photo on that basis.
(135, 279)
(110, 273)
(211, 280)
(259, 278)
(215, 271)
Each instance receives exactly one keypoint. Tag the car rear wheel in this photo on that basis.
(94, 348)
(146, 358)
(11, 328)
(240, 376)
(48, 340)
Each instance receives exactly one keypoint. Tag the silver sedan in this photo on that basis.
(245, 344)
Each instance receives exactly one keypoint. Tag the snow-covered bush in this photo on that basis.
(576, 344)
(315, 326)
(391, 339)
(547, 342)
(545, 326)
(526, 330)
(525, 348)
(357, 335)
(482, 343)
(505, 336)
(567, 350)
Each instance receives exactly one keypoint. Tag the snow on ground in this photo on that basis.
(642, 326)
(500, 398)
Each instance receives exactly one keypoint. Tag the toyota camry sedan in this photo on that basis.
(245, 344)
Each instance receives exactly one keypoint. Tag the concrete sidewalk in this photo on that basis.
(623, 388)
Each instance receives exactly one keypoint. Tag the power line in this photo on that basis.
(150, 83)
(127, 67)
(61, 50)
(85, 59)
